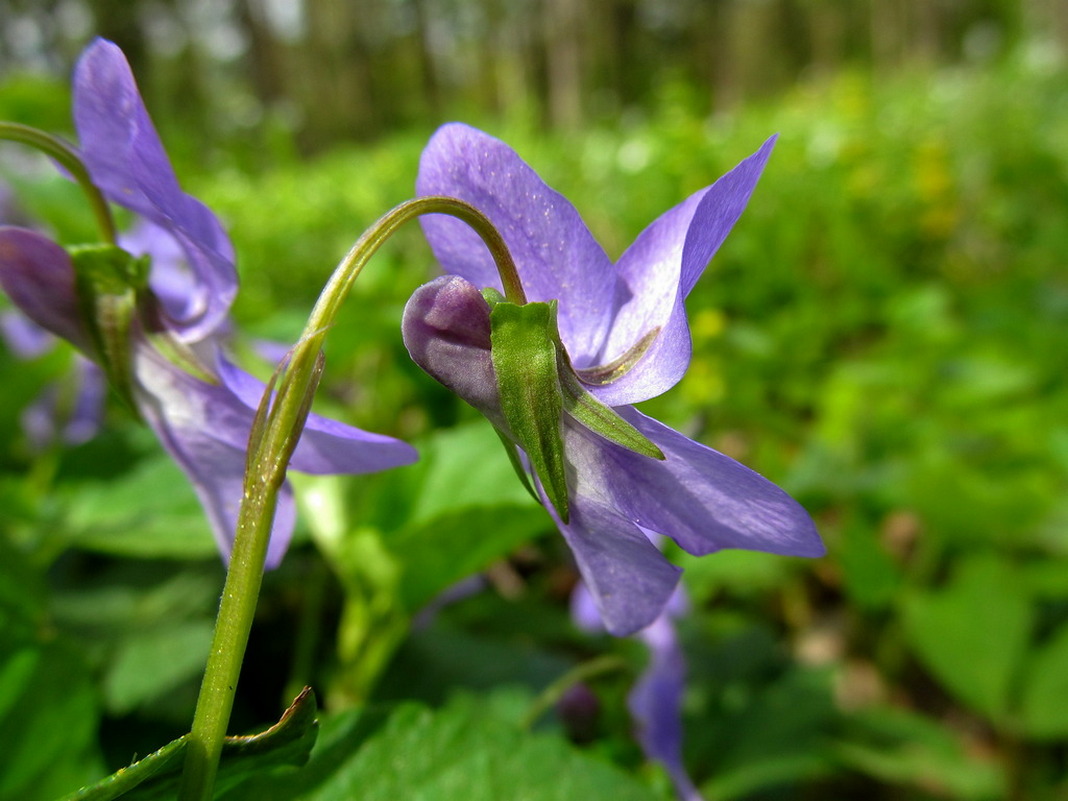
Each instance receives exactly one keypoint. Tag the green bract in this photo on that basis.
(109, 281)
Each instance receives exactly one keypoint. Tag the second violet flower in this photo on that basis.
(199, 404)
(625, 338)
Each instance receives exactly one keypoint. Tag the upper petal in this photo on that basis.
(703, 500)
(555, 253)
(38, 276)
(326, 446)
(126, 160)
(660, 269)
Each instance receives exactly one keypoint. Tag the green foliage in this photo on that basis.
(288, 743)
(883, 334)
(464, 750)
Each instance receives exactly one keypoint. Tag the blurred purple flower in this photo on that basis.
(69, 410)
(625, 331)
(655, 701)
(202, 419)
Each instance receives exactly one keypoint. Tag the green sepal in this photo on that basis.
(491, 296)
(517, 463)
(602, 419)
(523, 345)
(109, 280)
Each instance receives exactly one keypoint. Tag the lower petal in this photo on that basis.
(326, 446)
(190, 417)
(630, 580)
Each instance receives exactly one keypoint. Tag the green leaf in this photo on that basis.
(1045, 690)
(154, 662)
(49, 714)
(48, 720)
(288, 742)
(902, 748)
(465, 750)
(149, 511)
(524, 350)
(973, 632)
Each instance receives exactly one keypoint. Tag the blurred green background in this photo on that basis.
(883, 334)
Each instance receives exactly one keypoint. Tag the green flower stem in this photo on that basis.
(551, 695)
(68, 158)
(274, 435)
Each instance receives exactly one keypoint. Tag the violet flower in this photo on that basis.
(624, 329)
(199, 405)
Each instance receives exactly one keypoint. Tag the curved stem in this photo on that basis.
(68, 158)
(552, 694)
(274, 435)
(350, 267)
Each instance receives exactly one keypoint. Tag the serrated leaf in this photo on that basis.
(462, 751)
(288, 742)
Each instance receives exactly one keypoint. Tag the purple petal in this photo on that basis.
(38, 276)
(660, 269)
(629, 579)
(87, 416)
(170, 278)
(197, 423)
(326, 446)
(584, 612)
(703, 500)
(23, 336)
(555, 253)
(127, 161)
(655, 703)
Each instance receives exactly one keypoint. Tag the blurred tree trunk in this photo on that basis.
(563, 56)
(331, 77)
(118, 21)
(427, 67)
(266, 58)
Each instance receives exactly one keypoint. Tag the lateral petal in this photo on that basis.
(658, 272)
(326, 446)
(198, 424)
(703, 500)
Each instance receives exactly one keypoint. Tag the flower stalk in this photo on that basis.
(274, 435)
(55, 148)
